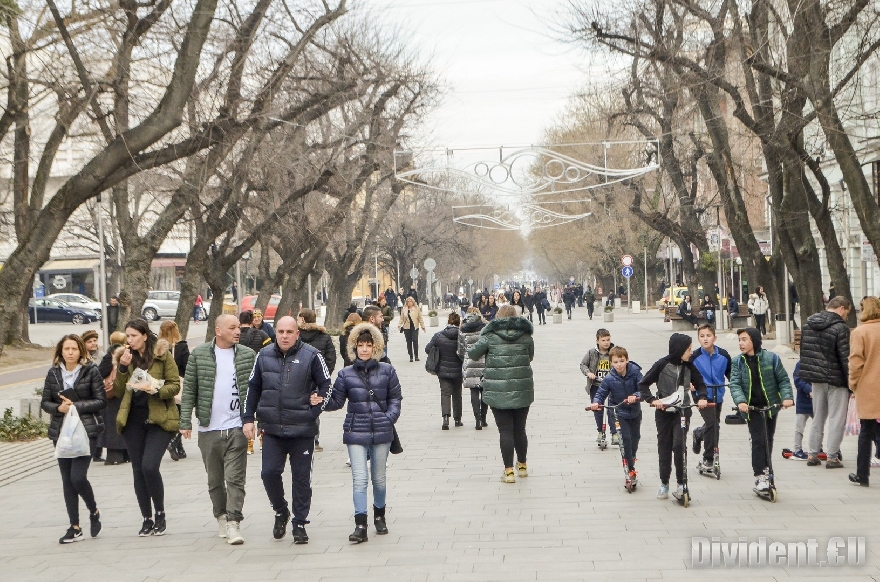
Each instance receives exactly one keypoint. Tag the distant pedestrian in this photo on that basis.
(568, 300)
(352, 320)
(113, 314)
(410, 323)
(255, 339)
(171, 333)
(864, 369)
(590, 300)
(198, 306)
(490, 309)
(686, 311)
(542, 304)
(832, 292)
(517, 303)
(759, 305)
(473, 370)
(529, 302)
(825, 365)
(73, 371)
(508, 384)
(263, 325)
(316, 336)
(110, 439)
(234, 293)
(148, 417)
(449, 370)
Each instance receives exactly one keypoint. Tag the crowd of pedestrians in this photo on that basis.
(257, 381)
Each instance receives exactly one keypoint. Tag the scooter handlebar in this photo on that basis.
(759, 408)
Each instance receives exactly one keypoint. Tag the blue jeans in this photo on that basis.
(378, 457)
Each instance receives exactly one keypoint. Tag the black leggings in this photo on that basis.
(75, 481)
(867, 438)
(512, 431)
(477, 404)
(412, 342)
(761, 323)
(671, 442)
(146, 444)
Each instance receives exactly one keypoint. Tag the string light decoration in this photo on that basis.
(521, 182)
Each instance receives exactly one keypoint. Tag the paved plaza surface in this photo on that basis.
(450, 517)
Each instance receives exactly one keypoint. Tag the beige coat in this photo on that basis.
(864, 368)
(416, 314)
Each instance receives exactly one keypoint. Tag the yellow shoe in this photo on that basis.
(522, 470)
(508, 476)
(250, 447)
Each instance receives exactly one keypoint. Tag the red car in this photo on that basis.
(249, 301)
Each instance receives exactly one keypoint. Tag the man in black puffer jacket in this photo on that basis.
(825, 365)
(284, 389)
(449, 371)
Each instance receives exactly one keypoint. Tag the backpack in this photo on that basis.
(432, 362)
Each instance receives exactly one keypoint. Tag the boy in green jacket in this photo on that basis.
(758, 379)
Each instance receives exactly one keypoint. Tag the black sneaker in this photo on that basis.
(159, 528)
(147, 528)
(72, 535)
(299, 534)
(172, 449)
(95, 518)
(280, 529)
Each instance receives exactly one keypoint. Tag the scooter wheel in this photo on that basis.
(773, 496)
(718, 474)
(685, 499)
(629, 486)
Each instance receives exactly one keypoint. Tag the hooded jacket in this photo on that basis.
(509, 349)
(280, 388)
(825, 350)
(255, 339)
(91, 399)
(201, 374)
(715, 370)
(447, 342)
(317, 337)
(367, 422)
(804, 401)
(163, 411)
(618, 388)
(758, 304)
(468, 335)
(590, 365)
(773, 379)
(670, 372)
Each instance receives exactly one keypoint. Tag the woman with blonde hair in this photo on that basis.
(410, 323)
(864, 368)
(169, 332)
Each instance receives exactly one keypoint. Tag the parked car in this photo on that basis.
(164, 304)
(249, 302)
(54, 310)
(77, 300)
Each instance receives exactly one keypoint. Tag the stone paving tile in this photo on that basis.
(450, 516)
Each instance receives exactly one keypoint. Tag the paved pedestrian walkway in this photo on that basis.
(449, 515)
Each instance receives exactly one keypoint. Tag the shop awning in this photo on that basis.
(66, 265)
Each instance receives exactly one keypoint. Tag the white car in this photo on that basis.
(164, 304)
(77, 300)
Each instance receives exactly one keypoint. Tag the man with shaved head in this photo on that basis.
(288, 383)
(215, 375)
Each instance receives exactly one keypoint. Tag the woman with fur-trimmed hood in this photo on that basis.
(373, 392)
(148, 417)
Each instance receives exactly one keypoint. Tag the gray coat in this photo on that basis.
(468, 334)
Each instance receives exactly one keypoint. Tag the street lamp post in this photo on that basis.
(102, 275)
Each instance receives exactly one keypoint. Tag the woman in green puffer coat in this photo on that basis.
(508, 387)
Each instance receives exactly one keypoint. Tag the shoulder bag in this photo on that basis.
(396, 447)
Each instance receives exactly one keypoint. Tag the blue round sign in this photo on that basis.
(627, 272)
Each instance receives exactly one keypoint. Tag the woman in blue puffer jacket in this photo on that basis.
(373, 393)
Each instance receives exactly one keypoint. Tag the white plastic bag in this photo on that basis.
(140, 380)
(73, 441)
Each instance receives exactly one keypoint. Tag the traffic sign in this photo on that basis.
(414, 274)
(430, 264)
(627, 261)
(627, 272)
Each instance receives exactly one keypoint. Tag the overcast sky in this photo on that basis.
(507, 77)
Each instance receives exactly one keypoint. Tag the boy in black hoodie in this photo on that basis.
(670, 373)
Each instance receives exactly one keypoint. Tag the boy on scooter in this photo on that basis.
(713, 362)
(621, 386)
(595, 366)
(669, 373)
(758, 379)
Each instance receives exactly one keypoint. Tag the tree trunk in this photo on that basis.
(339, 296)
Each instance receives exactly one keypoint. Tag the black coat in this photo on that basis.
(317, 337)
(91, 400)
(367, 422)
(280, 388)
(181, 356)
(825, 350)
(255, 339)
(450, 364)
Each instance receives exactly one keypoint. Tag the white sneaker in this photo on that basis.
(875, 462)
(233, 534)
(221, 526)
(679, 491)
(663, 492)
(762, 484)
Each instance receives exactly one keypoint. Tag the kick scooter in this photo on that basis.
(770, 493)
(716, 461)
(676, 401)
(629, 473)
